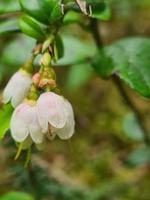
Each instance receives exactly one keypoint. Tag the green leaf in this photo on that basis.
(59, 48)
(56, 13)
(132, 128)
(101, 11)
(102, 64)
(139, 156)
(5, 116)
(9, 6)
(16, 196)
(8, 27)
(79, 75)
(95, 8)
(42, 11)
(31, 27)
(71, 17)
(131, 59)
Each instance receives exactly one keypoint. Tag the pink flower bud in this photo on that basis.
(47, 83)
(17, 88)
(36, 79)
(55, 115)
(24, 123)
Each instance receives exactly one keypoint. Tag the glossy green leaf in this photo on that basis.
(130, 60)
(59, 48)
(43, 10)
(139, 156)
(102, 64)
(31, 27)
(56, 14)
(101, 11)
(79, 75)
(16, 196)
(95, 8)
(71, 17)
(5, 116)
(131, 128)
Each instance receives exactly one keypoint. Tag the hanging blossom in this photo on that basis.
(24, 123)
(55, 115)
(17, 88)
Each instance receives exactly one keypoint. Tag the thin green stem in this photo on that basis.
(19, 151)
(27, 158)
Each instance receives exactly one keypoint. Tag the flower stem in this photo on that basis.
(19, 151)
(27, 158)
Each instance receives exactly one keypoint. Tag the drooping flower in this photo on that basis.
(55, 115)
(17, 88)
(24, 123)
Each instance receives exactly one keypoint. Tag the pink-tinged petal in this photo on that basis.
(25, 123)
(50, 108)
(18, 126)
(68, 130)
(35, 129)
(42, 120)
(36, 134)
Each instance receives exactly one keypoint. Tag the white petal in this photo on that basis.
(36, 134)
(19, 129)
(35, 129)
(51, 109)
(17, 88)
(9, 89)
(68, 130)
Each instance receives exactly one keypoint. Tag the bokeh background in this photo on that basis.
(106, 159)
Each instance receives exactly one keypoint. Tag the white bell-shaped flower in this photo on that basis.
(24, 123)
(17, 88)
(55, 115)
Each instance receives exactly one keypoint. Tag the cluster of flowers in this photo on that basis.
(35, 119)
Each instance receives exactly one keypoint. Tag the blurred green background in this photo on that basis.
(106, 159)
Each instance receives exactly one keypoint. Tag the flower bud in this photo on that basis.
(36, 79)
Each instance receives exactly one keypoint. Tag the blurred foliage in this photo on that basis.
(5, 113)
(16, 195)
(106, 159)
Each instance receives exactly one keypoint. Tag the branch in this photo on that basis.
(8, 15)
(130, 104)
(119, 85)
